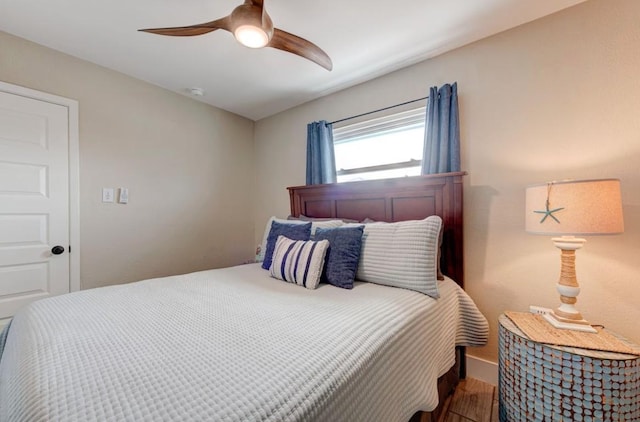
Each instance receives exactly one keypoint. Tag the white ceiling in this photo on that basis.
(365, 39)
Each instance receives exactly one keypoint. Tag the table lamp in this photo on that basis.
(567, 209)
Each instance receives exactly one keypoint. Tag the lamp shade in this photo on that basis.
(577, 207)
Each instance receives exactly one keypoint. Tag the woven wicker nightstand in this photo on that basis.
(538, 382)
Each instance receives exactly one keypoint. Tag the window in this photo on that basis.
(380, 148)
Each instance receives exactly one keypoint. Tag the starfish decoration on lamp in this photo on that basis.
(549, 213)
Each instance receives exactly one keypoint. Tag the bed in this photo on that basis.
(235, 344)
(393, 200)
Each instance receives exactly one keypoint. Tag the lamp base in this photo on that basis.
(567, 324)
(567, 317)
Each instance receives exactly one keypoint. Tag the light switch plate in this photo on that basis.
(107, 194)
(123, 198)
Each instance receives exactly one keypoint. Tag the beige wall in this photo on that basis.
(188, 167)
(557, 98)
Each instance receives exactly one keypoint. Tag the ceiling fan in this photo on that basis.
(251, 26)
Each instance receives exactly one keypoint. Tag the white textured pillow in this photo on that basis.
(299, 261)
(314, 225)
(402, 254)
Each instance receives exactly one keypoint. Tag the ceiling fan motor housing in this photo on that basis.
(251, 18)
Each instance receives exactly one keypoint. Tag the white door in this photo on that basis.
(34, 201)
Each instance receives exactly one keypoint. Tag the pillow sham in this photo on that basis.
(402, 254)
(292, 231)
(439, 269)
(314, 226)
(341, 263)
(298, 261)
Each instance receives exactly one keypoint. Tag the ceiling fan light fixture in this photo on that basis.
(251, 36)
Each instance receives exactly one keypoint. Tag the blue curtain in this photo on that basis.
(321, 160)
(441, 152)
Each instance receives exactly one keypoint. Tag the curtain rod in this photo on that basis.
(376, 111)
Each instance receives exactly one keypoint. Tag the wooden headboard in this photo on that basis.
(409, 198)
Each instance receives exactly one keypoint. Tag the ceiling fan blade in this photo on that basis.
(293, 44)
(188, 31)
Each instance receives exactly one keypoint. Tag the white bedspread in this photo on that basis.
(233, 345)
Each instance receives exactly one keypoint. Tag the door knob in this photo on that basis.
(57, 250)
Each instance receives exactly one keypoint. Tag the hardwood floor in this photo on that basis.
(473, 401)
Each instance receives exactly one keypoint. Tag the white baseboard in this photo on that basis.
(482, 370)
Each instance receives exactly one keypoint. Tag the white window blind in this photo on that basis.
(383, 147)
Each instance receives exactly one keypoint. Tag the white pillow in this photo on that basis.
(402, 254)
(299, 261)
(329, 224)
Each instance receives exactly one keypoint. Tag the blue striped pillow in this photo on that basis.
(299, 261)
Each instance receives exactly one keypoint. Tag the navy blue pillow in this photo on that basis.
(341, 264)
(292, 231)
